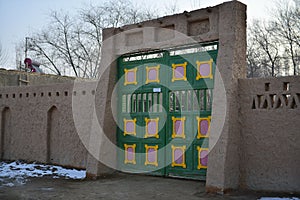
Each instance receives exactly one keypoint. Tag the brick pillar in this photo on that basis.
(102, 149)
(223, 164)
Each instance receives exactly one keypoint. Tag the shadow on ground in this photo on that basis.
(117, 186)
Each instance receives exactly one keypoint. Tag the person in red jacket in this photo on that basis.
(33, 66)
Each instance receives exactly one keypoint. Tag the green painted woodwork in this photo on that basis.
(168, 100)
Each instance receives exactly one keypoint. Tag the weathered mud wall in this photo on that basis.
(37, 125)
(270, 134)
(225, 23)
(20, 78)
(257, 147)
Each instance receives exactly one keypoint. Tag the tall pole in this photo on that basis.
(26, 44)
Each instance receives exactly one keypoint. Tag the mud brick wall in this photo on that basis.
(270, 134)
(36, 124)
(256, 148)
(225, 23)
(12, 78)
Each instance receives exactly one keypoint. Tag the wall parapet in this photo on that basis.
(272, 93)
(269, 117)
(37, 123)
(22, 78)
(64, 90)
(200, 25)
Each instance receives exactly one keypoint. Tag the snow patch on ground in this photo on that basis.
(17, 172)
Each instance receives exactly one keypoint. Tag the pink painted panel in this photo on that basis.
(178, 156)
(179, 72)
(130, 154)
(204, 125)
(152, 128)
(129, 127)
(130, 77)
(204, 69)
(178, 127)
(152, 74)
(204, 157)
(151, 155)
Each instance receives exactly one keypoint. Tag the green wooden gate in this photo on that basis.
(164, 110)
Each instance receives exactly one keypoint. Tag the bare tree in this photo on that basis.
(274, 45)
(286, 28)
(74, 43)
(53, 47)
(171, 8)
(3, 55)
(253, 61)
(195, 4)
(265, 45)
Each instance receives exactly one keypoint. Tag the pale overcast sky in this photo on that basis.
(20, 18)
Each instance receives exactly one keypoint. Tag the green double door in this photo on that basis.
(164, 111)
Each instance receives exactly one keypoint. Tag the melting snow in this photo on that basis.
(15, 173)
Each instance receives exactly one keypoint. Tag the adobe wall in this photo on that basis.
(257, 147)
(31, 139)
(36, 124)
(12, 77)
(225, 23)
(270, 134)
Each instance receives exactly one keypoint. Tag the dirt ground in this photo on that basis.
(117, 186)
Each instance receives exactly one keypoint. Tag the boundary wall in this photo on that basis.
(270, 134)
(37, 125)
(20, 78)
(254, 134)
